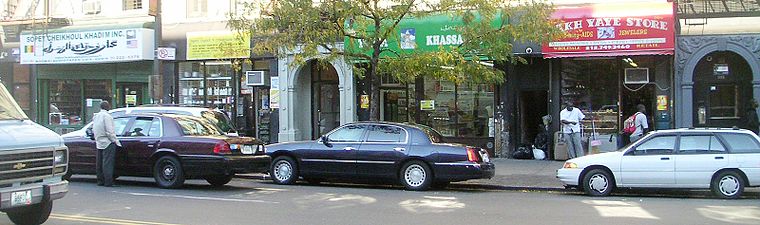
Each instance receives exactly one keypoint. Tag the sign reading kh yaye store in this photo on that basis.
(97, 46)
(612, 29)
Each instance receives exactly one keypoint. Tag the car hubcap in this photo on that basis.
(414, 175)
(729, 185)
(598, 183)
(282, 170)
(168, 171)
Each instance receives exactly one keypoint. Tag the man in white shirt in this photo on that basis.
(571, 117)
(105, 142)
(640, 121)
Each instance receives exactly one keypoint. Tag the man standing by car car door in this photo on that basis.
(105, 142)
(640, 121)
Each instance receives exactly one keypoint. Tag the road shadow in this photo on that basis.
(669, 193)
(194, 184)
(379, 185)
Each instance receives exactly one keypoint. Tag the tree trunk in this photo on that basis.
(374, 92)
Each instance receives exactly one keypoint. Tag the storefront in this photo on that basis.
(614, 57)
(77, 67)
(210, 71)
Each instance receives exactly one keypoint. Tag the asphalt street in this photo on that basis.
(248, 201)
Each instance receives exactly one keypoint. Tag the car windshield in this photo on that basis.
(9, 110)
(197, 127)
(219, 119)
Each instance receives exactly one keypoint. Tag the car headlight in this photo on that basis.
(60, 157)
(570, 165)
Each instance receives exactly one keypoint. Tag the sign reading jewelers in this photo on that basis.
(99, 46)
(611, 29)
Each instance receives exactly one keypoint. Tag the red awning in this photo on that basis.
(614, 29)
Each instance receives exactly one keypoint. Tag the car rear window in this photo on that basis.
(741, 143)
(196, 127)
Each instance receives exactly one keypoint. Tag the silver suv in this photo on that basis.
(32, 161)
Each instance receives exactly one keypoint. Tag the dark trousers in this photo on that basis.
(104, 164)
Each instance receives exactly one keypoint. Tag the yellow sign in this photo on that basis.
(19, 166)
(364, 101)
(217, 45)
(662, 102)
(131, 99)
(427, 105)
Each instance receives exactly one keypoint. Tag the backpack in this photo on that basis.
(629, 125)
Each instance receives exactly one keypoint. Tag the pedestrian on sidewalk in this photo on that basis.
(750, 120)
(106, 143)
(571, 129)
(640, 121)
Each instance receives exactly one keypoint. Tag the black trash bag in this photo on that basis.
(523, 152)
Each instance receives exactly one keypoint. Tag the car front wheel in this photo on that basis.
(168, 172)
(416, 176)
(598, 182)
(284, 170)
(31, 215)
(728, 184)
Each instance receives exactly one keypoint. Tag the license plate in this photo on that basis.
(247, 149)
(21, 198)
(485, 157)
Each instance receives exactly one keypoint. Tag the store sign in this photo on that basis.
(97, 46)
(217, 45)
(662, 102)
(364, 101)
(131, 99)
(427, 105)
(612, 29)
(274, 93)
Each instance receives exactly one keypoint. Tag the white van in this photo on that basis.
(32, 161)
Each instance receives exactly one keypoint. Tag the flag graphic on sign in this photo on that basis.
(132, 44)
(29, 49)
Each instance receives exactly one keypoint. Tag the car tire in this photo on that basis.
(416, 176)
(219, 180)
(728, 184)
(31, 215)
(284, 170)
(598, 182)
(168, 173)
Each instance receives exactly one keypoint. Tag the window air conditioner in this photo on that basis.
(256, 78)
(636, 75)
(91, 7)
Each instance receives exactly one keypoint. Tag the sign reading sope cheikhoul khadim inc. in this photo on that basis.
(611, 29)
(96, 46)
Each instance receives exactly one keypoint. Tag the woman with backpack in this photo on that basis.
(636, 125)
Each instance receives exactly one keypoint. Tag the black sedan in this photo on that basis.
(410, 154)
(170, 148)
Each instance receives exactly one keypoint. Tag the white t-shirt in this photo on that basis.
(573, 116)
(641, 123)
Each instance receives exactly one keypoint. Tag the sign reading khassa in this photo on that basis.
(217, 45)
(96, 46)
(610, 29)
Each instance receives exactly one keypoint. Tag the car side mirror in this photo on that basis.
(88, 132)
(325, 141)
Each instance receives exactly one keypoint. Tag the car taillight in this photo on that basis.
(222, 148)
(472, 154)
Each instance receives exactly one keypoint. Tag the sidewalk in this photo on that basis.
(523, 174)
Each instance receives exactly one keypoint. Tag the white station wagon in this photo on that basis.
(724, 160)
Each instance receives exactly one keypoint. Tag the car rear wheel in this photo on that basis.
(284, 170)
(416, 176)
(728, 184)
(168, 172)
(31, 215)
(598, 182)
(219, 180)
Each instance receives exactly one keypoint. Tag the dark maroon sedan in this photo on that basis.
(170, 148)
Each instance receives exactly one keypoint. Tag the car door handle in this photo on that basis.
(665, 158)
(718, 157)
(150, 145)
(349, 148)
(399, 149)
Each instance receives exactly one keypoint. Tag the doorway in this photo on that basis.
(722, 90)
(129, 94)
(325, 112)
(532, 107)
(394, 108)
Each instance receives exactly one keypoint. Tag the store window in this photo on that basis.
(457, 110)
(197, 8)
(723, 102)
(191, 85)
(219, 83)
(65, 102)
(132, 4)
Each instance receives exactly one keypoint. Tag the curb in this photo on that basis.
(471, 186)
